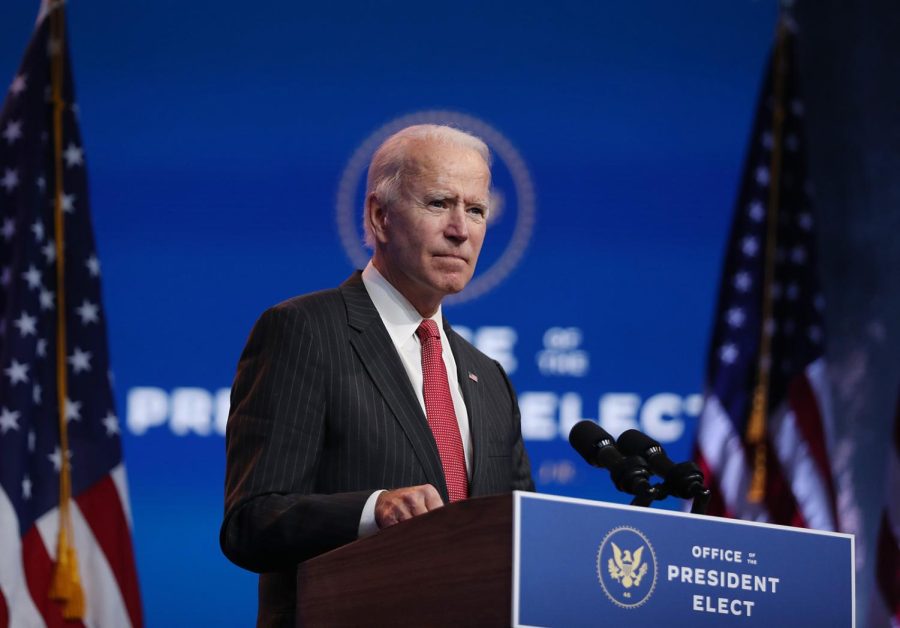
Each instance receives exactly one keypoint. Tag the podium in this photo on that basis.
(535, 560)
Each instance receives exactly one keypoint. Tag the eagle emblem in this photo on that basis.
(626, 567)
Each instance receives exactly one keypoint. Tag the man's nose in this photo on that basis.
(457, 227)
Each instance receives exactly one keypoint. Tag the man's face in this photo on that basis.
(430, 237)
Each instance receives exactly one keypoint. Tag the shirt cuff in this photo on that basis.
(367, 524)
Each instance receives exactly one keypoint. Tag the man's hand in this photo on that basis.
(405, 503)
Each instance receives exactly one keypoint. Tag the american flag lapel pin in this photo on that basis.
(473, 376)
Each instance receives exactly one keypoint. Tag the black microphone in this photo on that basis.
(629, 473)
(683, 480)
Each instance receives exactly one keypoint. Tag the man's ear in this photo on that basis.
(377, 217)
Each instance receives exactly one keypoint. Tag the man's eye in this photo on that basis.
(478, 211)
(438, 202)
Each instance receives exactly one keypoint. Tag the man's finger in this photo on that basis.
(404, 503)
(432, 498)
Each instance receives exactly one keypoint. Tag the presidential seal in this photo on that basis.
(511, 220)
(626, 567)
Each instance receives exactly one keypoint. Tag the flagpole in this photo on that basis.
(756, 427)
(66, 584)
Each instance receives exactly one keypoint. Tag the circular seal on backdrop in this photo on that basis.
(515, 206)
(626, 567)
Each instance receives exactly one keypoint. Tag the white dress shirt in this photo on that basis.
(402, 320)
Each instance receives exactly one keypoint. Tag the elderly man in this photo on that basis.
(359, 407)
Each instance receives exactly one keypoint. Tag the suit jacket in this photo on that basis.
(323, 414)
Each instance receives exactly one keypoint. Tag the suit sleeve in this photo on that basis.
(521, 465)
(274, 441)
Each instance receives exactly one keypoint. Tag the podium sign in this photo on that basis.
(585, 563)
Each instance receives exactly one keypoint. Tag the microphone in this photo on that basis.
(629, 473)
(683, 480)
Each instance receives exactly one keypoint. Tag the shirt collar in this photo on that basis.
(400, 318)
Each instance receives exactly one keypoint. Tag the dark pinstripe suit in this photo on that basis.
(322, 414)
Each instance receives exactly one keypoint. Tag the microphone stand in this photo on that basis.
(701, 502)
(659, 492)
(656, 492)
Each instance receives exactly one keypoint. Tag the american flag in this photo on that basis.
(764, 432)
(885, 608)
(42, 293)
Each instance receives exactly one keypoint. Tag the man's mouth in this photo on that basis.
(452, 256)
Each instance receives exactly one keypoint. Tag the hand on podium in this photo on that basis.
(405, 503)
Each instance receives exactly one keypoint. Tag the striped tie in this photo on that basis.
(440, 412)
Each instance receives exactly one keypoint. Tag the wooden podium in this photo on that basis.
(450, 567)
(542, 560)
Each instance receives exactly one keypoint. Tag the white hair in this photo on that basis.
(391, 163)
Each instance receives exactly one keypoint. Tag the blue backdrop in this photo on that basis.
(223, 146)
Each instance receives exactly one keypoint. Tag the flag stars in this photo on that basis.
(46, 299)
(93, 266)
(9, 420)
(19, 84)
(56, 458)
(819, 302)
(767, 140)
(36, 394)
(750, 246)
(10, 179)
(49, 251)
(735, 317)
(31, 440)
(38, 230)
(73, 410)
(17, 373)
(6, 276)
(728, 353)
(792, 142)
(33, 277)
(73, 155)
(67, 202)
(13, 131)
(762, 176)
(41, 348)
(26, 324)
(80, 360)
(742, 281)
(805, 221)
(111, 423)
(756, 211)
(798, 255)
(41, 183)
(89, 312)
(9, 229)
(26, 488)
(797, 108)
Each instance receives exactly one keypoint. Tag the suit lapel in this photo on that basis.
(376, 351)
(473, 396)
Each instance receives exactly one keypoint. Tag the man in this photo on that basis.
(359, 407)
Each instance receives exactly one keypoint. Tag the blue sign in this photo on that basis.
(579, 563)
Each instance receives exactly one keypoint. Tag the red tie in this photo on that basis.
(440, 412)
